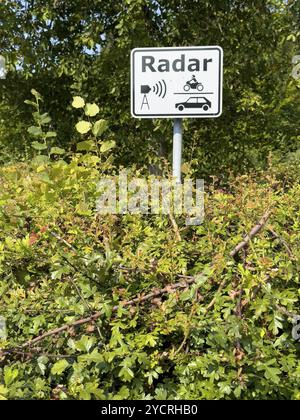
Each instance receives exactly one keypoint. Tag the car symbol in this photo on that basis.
(195, 102)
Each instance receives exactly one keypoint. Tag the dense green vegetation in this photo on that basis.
(143, 306)
(228, 335)
(64, 49)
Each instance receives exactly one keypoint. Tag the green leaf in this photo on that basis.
(58, 273)
(224, 388)
(57, 151)
(95, 357)
(35, 131)
(123, 393)
(45, 119)
(272, 374)
(107, 145)
(99, 127)
(39, 146)
(27, 102)
(150, 340)
(85, 343)
(78, 102)
(91, 110)
(59, 367)
(186, 295)
(42, 364)
(50, 134)
(3, 391)
(41, 160)
(36, 94)
(126, 374)
(86, 146)
(200, 280)
(83, 127)
(10, 375)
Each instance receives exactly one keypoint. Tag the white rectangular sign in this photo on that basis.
(176, 82)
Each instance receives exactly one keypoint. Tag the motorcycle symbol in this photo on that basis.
(193, 84)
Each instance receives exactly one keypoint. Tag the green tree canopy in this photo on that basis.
(66, 48)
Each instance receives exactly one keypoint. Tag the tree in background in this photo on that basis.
(64, 48)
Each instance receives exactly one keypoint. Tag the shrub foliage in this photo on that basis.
(222, 332)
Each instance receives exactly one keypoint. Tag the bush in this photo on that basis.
(224, 335)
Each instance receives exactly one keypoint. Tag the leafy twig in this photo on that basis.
(284, 243)
(175, 227)
(254, 231)
(155, 293)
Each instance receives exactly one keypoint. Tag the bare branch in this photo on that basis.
(254, 231)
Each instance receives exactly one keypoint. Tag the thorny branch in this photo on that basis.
(170, 288)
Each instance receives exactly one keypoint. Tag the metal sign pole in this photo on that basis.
(177, 149)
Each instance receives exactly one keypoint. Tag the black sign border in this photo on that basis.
(206, 115)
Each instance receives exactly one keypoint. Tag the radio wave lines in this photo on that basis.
(160, 89)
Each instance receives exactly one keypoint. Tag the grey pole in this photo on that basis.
(177, 149)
